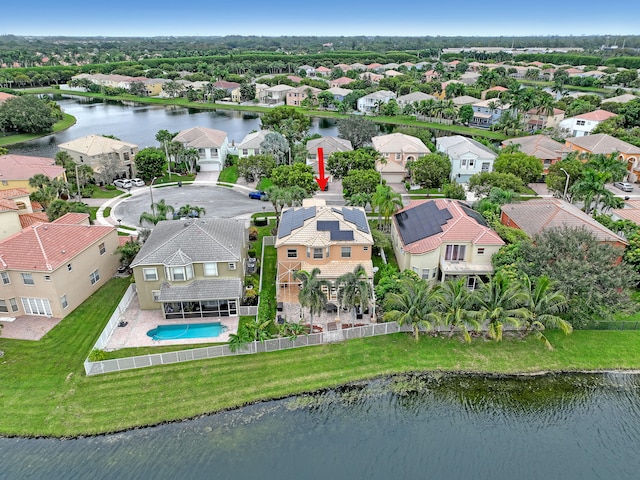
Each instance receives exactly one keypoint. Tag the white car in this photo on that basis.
(137, 182)
(123, 183)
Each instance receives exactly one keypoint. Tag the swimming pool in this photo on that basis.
(191, 330)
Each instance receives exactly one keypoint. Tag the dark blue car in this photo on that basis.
(258, 195)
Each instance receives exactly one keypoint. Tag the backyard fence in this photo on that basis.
(612, 325)
(273, 345)
(115, 318)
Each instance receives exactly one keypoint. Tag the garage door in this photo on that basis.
(209, 166)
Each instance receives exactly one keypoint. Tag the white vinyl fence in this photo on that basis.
(273, 345)
(115, 318)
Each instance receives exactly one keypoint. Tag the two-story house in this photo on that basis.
(338, 93)
(17, 211)
(334, 239)
(537, 119)
(487, 112)
(467, 156)
(329, 145)
(193, 269)
(413, 98)
(251, 144)
(371, 103)
(103, 155)
(443, 239)
(16, 170)
(48, 269)
(297, 95)
(273, 96)
(583, 124)
(540, 146)
(212, 146)
(603, 144)
(396, 149)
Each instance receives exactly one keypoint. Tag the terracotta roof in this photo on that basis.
(539, 146)
(632, 214)
(29, 219)
(535, 216)
(201, 137)
(460, 228)
(22, 167)
(6, 205)
(73, 218)
(602, 143)
(596, 115)
(329, 145)
(399, 142)
(5, 96)
(14, 193)
(47, 246)
(93, 145)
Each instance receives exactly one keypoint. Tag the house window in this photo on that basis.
(14, 304)
(463, 162)
(36, 306)
(5, 182)
(481, 251)
(155, 295)
(485, 166)
(365, 249)
(47, 278)
(180, 274)
(398, 156)
(257, 151)
(64, 302)
(471, 283)
(3, 306)
(345, 252)
(5, 278)
(317, 253)
(102, 248)
(27, 279)
(308, 252)
(434, 272)
(245, 151)
(232, 266)
(210, 269)
(150, 274)
(94, 277)
(472, 163)
(580, 122)
(425, 274)
(69, 267)
(292, 253)
(454, 253)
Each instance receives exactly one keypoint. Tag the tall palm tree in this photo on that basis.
(500, 300)
(544, 303)
(387, 202)
(455, 309)
(191, 211)
(615, 168)
(591, 191)
(415, 305)
(355, 290)
(311, 294)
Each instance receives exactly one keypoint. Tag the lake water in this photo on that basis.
(139, 124)
(567, 427)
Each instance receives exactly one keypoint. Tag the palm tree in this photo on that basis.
(160, 211)
(456, 303)
(191, 211)
(544, 303)
(414, 305)
(500, 301)
(615, 168)
(311, 294)
(591, 190)
(355, 290)
(387, 202)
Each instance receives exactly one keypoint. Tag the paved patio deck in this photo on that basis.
(139, 322)
(28, 327)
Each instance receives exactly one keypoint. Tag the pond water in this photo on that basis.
(566, 427)
(139, 123)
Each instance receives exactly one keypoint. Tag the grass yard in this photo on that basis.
(229, 174)
(66, 122)
(45, 392)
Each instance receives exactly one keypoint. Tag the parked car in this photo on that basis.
(137, 182)
(123, 183)
(624, 186)
(258, 195)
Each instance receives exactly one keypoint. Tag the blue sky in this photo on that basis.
(330, 17)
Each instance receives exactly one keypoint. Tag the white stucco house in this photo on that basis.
(370, 103)
(212, 146)
(467, 156)
(582, 125)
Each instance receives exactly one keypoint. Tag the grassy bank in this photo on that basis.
(45, 392)
(66, 122)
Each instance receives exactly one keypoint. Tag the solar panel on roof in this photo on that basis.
(339, 235)
(327, 225)
(357, 217)
(421, 221)
(294, 218)
(475, 215)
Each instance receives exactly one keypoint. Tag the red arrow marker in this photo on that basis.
(321, 179)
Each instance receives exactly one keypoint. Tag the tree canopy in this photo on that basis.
(358, 130)
(523, 166)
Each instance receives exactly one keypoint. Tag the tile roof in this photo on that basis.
(22, 167)
(632, 214)
(399, 142)
(253, 140)
(12, 193)
(47, 246)
(213, 289)
(457, 145)
(596, 115)
(539, 146)
(29, 219)
(603, 143)
(201, 137)
(201, 240)
(465, 100)
(414, 97)
(93, 145)
(461, 227)
(624, 98)
(329, 145)
(535, 216)
(5, 96)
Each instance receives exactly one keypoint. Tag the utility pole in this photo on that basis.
(78, 184)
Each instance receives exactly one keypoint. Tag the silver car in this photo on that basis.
(624, 186)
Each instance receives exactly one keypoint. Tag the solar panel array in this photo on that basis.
(355, 216)
(333, 226)
(473, 214)
(294, 218)
(421, 222)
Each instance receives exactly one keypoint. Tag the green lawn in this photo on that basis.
(229, 174)
(66, 122)
(105, 192)
(45, 392)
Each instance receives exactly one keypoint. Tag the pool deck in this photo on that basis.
(139, 322)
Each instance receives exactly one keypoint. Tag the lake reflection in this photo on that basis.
(139, 123)
(442, 427)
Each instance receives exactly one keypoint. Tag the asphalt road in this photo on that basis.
(217, 201)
